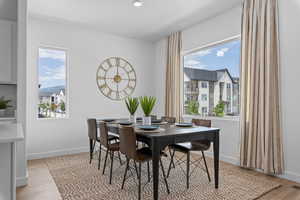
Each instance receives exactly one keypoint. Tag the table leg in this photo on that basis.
(216, 159)
(155, 170)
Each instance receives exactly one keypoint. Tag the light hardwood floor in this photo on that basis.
(41, 186)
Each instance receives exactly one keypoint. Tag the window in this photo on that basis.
(52, 65)
(204, 84)
(217, 64)
(204, 110)
(204, 97)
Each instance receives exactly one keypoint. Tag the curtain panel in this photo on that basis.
(261, 132)
(174, 82)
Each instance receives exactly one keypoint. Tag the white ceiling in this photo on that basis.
(157, 18)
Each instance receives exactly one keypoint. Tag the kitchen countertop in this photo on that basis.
(11, 132)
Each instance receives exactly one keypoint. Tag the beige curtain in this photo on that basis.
(173, 104)
(261, 134)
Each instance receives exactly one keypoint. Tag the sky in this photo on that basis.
(52, 70)
(226, 55)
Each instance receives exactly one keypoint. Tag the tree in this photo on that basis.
(219, 109)
(193, 107)
(63, 106)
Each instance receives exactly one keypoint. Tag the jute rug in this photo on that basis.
(76, 179)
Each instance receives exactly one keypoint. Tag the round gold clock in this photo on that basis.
(116, 78)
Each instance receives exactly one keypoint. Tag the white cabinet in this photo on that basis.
(8, 55)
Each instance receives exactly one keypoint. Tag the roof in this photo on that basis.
(47, 92)
(206, 75)
(201, 74)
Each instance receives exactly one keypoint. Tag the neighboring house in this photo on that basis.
(209, 88)
(52, 95)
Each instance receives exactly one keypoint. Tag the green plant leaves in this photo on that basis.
(147, 104)
(132, 104)
(4, 103)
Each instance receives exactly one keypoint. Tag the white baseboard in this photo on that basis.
(291, 176)
(22, 181)
(61, 152)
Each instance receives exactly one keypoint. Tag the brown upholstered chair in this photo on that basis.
(94, 138)
(128, 148)
(170, 120)
(111, 147)
(186, 148)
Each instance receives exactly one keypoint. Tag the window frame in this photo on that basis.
(193, 50)
(67, 80)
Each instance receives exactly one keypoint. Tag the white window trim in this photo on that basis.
(42, 46)
(190, 51)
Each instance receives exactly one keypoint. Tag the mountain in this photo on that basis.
(45, 92)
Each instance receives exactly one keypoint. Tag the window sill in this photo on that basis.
(225, 118)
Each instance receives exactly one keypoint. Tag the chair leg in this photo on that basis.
(91, 150)
(136, 169)
(206, 166)
(125, 174)
(104, 166)
(111, 165)
(99, 158)
(170, 165)
(148, 168)
(188, 170)
(172, 160)
(119, 155)
(139, 177)
(164, 175)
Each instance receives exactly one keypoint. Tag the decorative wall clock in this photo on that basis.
(116, 78)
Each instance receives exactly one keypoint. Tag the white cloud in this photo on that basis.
(53, 54)
(203, 52)
(58, 73)
(222, 52)
(194, 64)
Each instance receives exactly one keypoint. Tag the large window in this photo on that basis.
(216, 69)
(52, 76)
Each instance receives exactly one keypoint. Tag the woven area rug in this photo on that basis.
(76, 179)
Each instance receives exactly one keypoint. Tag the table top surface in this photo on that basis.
(166, 129)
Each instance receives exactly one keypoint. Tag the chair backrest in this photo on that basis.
(128, 141)
(103, 134)
(170, 120)
(92, 129)
(202, 122)
(202, 144)
(153, 117)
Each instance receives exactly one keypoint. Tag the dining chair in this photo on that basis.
(169, 120)
(111, 148)
(186, 148)
(94, 138)
(142, 155)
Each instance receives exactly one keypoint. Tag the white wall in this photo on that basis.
(289, 30)
(8, 9)
(227, 25)
(86, 50)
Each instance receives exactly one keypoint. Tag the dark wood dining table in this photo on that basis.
(171, 134)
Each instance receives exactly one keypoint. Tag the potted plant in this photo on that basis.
(147, 104)
(219, 109)
(132, 105)
(3, 106)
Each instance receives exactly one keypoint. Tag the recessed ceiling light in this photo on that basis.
(138, 3)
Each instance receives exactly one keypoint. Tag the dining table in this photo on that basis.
(169, 134)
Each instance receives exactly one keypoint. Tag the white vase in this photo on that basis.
(132, 119)
(146, 120)
(2, 112)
